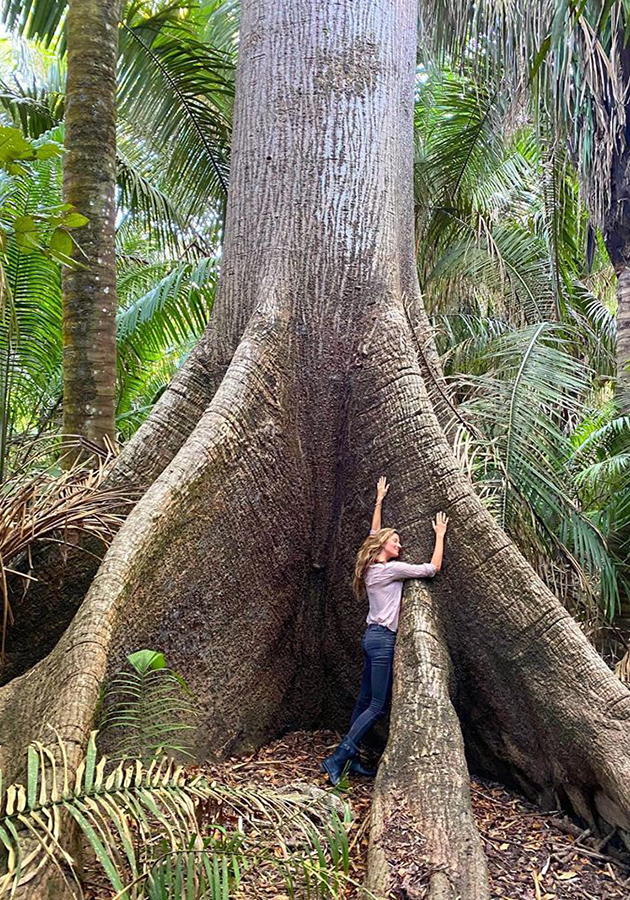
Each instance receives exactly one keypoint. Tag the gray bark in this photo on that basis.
(237, 560)
(423, 839)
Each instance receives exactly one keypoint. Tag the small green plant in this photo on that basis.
(160, 832)
(150, 708)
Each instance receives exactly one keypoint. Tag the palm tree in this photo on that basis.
(89, 284)
(572, 64)
(164, 305)
(519, 301)
(181, 113)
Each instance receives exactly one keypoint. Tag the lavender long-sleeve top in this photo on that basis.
(384, 586)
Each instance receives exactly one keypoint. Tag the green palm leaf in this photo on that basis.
(41, 19)
(176, 93)
(161, 827)
(519, 403)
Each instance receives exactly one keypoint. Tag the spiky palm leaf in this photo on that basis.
(164, 308)
(567, 58)
(501, 228)
(33, 96)
(30, 349)
(162, 831)
(175, 92)
(40, 19)
(521, 410)
(148, 710)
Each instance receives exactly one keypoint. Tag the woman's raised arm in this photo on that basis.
(440, 524)
(381, 489)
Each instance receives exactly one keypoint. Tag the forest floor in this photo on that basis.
(531, 855)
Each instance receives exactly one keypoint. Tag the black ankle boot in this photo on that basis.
(357, 767)
(335, 763)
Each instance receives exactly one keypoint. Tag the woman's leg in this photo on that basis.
(379, 648)
(365, 694)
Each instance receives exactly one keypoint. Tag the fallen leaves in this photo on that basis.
(531, 855)
(542, 856)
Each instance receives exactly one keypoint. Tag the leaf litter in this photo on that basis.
(532, 855)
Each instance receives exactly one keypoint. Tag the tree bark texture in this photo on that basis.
(237, 560)
(89, 286)
(422, 817)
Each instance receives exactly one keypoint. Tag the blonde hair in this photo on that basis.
(370, 549)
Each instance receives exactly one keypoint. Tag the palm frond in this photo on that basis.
(39, 19)
(34, 105)
(149, 710)
(176, 92)
(565, 57)
(518, 448)
(45, 506)
(175, 306)
(159, 831)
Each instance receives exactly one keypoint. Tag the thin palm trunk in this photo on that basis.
(623, 338)
(89, 286)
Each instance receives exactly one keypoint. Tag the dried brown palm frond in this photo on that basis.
(54, 506)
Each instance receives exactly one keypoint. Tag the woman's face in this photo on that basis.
(392, 546)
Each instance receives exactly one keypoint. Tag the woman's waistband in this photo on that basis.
(381, 627)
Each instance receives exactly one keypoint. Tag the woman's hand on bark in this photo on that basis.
(381, 489)
(440, 524)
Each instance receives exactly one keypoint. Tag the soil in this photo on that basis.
(531, 855)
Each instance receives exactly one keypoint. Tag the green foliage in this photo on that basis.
(158, 831)
(178, 90)
(35, 238)
(41, 19)
(520, 290)
(564, 60)
(501, 231)
(518, 404)
(164, 305)
(149, 708)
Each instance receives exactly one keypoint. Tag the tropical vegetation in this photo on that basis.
(516, 278)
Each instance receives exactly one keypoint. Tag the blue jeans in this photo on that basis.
(378, 645)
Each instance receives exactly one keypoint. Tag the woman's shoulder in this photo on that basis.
(375, 568)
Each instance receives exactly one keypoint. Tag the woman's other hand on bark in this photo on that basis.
(381, 489)
(440, 524)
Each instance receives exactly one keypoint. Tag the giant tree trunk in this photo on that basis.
(89, 287)
(237, 560)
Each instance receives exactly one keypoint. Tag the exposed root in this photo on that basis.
(423, 839)
(182, 542)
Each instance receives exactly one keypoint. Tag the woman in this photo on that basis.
(378, 571)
